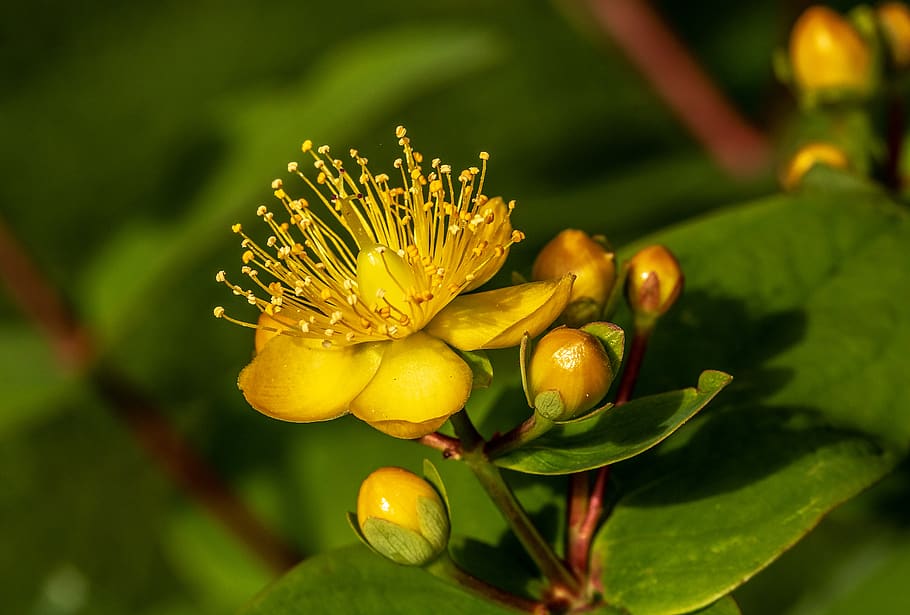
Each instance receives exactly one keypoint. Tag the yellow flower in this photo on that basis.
(363, 305)
(828, 53)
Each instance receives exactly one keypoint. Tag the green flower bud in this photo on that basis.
(574, 251)
(402, 517)
(572, 364)
(828, 55)
(807, 157)
(654, 282)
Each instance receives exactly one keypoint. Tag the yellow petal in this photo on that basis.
(294, 379)
(271, 325)
(495, 234)
(420, 381)
(499, 318)
(408, 430)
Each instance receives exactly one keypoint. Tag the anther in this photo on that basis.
(219, 312)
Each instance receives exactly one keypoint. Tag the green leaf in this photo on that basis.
(801, 298)
(480, 365)
(355, 581)
(707, 515)
(619, 433)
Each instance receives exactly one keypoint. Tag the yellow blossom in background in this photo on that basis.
(363, 304)
(828, 54)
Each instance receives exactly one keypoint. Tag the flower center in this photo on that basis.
(403, 254)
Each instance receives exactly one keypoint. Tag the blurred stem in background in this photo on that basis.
(75, 350)
(637, 29)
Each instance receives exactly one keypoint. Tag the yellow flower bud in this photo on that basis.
(827, 53)
(573, 251)
(575, 365)
(894, 18)
(807, 157)
(402, 517)
(654, 282)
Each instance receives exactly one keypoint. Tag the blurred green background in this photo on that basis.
(134, 134)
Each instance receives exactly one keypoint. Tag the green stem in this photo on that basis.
(499, 491)
(534, 427)
(446, 568)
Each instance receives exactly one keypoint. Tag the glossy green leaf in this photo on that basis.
(797, 296)
(617, 434)
(803, 299)
(356, 581)
(706, 516)
(480, 365)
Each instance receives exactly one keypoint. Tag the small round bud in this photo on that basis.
(654, 282)
(402, 517)
(828, 54)
(573, 251)
(807, 157)
(573, 364)
(894, 18)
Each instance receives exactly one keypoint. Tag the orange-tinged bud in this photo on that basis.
(573, 251)
(654, 282)
(402, 517)
(895, 21)
(827, 53)
(574, 364)
(807, 157)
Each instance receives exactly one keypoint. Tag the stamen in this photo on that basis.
(405, 252)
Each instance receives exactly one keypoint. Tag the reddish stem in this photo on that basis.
(582, 525)
(579, 493)
(676, 77)
(449, 447)
(191, 472)
(633, 366)
(41, 303)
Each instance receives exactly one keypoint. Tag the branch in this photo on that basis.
(42, 304)
(676, 77)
